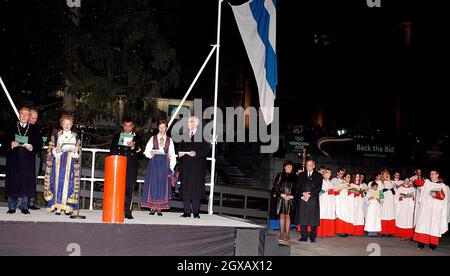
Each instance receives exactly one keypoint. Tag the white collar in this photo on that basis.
(66, 135)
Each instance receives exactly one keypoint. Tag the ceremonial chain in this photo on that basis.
(26, 131)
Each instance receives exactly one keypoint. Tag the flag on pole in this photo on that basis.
(256, 20)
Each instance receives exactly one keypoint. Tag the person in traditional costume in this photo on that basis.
(432, 220)
(387, 205)
(363, 180)
(309, 185)
(345, 214)
(418, 181)
(62, 176)
(128, 144)
(397, 181)
(358, 191)
(157, 186)
(339, 177)
(23, 142)
(192, 155)
(373, 218)
(34, 115)
(404, 219)
(284, 187)
(364, 184)
(327, 207)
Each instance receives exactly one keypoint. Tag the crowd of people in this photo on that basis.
(25, 141)
(415, 208)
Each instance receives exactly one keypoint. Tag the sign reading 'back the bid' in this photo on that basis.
(375, 148)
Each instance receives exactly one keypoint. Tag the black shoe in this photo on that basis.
(432, 247)
(57, 213)
(33, 207)
(196, 215)
(313, 241)
(10, 212)
(129, 216)
(67, 213)
(25, 212)
(160, 214)
(303, 240)
(185, 215)
(152, 212)
(343, 235)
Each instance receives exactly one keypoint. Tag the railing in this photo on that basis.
(220, 190)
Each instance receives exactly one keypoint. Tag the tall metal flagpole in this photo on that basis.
(174, 115)
(216, 93)
(9, 98)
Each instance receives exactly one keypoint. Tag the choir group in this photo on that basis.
(414, 208)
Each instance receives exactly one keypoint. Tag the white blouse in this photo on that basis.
(149, 148)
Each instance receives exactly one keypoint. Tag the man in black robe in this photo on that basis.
(22, 142)
(34, 115)
(309, 185)
(128, 144)
(192, 155)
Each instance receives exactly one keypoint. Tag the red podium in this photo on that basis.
(114, 189)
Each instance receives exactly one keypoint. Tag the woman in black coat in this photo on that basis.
(284, 186)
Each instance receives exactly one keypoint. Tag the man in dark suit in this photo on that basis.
(192, 155)
(128, 144)
(309, 185)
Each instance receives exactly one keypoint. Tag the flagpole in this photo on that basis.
(9, 98)
(216, 93)
(174, 115)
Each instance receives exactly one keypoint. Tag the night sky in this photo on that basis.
(355, 81)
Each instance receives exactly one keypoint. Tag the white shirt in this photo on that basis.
(171, 153)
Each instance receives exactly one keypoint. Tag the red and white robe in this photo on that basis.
(373, 216)
(432, 219)
(358, 203)
(327, 211)
(404, 218)
(387, 209)
(418, 184)
(344, 209)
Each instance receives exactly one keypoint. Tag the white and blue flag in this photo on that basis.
(257, 22)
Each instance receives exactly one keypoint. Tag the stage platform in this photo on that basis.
(42, 233)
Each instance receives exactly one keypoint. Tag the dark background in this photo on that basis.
(357, 81)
